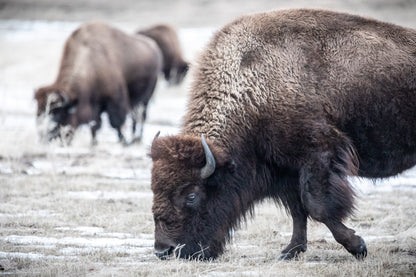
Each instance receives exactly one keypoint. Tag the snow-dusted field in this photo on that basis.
(87, 211)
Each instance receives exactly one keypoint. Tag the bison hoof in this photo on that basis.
(136, 140)
(94, 142)
(286, 256)
(292, 253)
(361, 251)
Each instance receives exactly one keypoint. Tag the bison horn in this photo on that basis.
(156, 136)
(209, 167)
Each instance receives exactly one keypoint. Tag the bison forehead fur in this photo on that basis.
(291, 103)
(176, 155)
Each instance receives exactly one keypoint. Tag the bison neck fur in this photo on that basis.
(291, 103)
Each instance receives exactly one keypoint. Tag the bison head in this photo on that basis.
(54, 113)
(192, 210)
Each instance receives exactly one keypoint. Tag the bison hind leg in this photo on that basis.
(95, 125)
(117, 111)
(328, 196)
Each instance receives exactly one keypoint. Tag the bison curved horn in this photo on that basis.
(156, 136)
(209, 167)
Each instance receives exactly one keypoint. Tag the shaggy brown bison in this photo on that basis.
(174, 66)
(102, 70)
(291, 103)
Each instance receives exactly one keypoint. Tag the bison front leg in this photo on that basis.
(328, 197)
(117, 111)
(298, 243)
(138, 115)
(95, 125)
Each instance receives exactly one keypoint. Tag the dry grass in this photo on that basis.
(81, 222)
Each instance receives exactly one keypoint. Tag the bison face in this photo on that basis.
(54, 114)
(187, 209)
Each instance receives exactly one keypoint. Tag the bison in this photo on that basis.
(285, 105)
(174, 66)
(102, 70)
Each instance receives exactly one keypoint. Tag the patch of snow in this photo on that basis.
(6, 170)
(32, 256)
(85, 230)
(405, 181)
(380, 238)
(94, 195)
(41, 213)
(47, 166)
(78, 241)
(126, 173)
(43, 165)
(121, 249)
(72, 150)
(315, 263)
(97, 231)
(246, 246)
(25, 30)
(235, 273)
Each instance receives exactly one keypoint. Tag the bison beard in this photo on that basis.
(291, 103)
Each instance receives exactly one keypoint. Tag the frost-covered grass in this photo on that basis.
(48, 226)
(87, 211)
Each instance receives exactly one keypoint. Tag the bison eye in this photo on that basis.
(191, 199)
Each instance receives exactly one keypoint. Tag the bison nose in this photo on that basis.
(164, 248)
(165, 253)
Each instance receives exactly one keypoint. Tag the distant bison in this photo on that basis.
(291, 103)
(174, 66)
(102, 70)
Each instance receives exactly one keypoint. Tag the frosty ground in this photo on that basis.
(84, 210)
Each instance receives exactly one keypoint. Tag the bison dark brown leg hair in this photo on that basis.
(139, 101)
(298, 242)
(327, 195)
(96, 125)
(117, 111)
